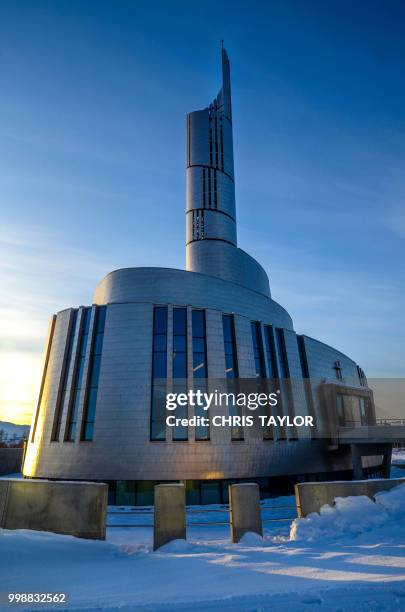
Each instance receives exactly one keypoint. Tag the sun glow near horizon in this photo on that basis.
(19, 382)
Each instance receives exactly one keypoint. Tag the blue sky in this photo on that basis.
(92, 175)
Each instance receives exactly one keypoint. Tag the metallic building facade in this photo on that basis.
(101, 413)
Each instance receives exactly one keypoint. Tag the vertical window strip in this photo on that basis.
(231, 368)
(204, 193)
(303, 357)
(89, 411)
(306, 379)
(216, 140)
(285, 382)
(231, 361)
(179, 367)
(210, 121)
(276, 374)
(262, 384)
(44, 374)
(258, 349)
(272, 382)
(340, 410)
(365, 411)
(199, 344)
(209, 189)
(78, 376)
(200, 369)
(64, 379)
(222, 144)
(271, 352)
(282, 354)
(159, 374)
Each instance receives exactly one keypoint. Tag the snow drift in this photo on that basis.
(353, 516)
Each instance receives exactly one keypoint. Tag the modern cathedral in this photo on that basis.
(101, 412)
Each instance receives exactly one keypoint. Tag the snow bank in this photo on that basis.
(398, 456)
(353, 516)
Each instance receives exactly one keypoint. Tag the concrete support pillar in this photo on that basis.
(358, 473)
(170, 514)
(387, 457)
(244, 506)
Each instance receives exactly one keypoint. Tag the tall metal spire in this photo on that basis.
(224, 95)
(211, 241)
(210, 174)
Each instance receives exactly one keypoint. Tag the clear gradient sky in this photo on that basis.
(93, 101)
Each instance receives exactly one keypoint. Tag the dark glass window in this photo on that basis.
(159, 374)
(340, 410)
(200, 367)
(270, 352)
(179, 343)
(303, 357)
(64, 380)
(306, 378)
(286, 403)
(231, 361)
(231, 368)
(364, 406)
(160, 364)
(258, 349)
(77, 381)
(180, 432)
(199, 344)
(89, 412)
(282, 354)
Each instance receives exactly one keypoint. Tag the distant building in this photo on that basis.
(101, 412)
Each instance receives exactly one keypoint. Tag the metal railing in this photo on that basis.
(195, 511)
(391, 421)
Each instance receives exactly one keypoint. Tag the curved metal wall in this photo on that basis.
(121, 448)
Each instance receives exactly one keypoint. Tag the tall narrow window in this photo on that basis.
(77, 381)
(231, 361)
(306, 379)
(272, 382)
(231, 370)
(282, 354)
(258, 349)
(271, 352)
(285, 386)
(159, 374)
(180, 432)
(199, 344)
(210, 120)
(64, 379)
(200, 366)
(365, 410)
(89, 411)
(340, 410)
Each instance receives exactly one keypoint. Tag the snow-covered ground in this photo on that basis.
(350, 557)
(398, 456)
